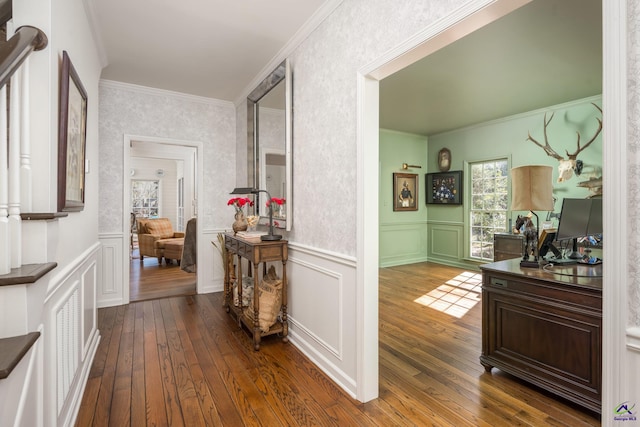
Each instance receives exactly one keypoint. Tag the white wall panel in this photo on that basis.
(70, 336)
(89, 309)
(322, 309)
(111, 271)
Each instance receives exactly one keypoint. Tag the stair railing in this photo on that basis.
(15, 147)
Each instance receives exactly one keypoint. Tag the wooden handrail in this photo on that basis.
(12, 54)
(6, 11)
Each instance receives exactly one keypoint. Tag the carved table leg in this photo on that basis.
(228, 269)
(256, 310)
(285, 323)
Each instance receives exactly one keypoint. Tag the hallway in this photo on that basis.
(184, 361)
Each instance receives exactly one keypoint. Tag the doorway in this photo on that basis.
(167, 175)
(459, 24)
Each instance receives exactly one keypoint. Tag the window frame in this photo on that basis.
(469, 203)
(135, 209)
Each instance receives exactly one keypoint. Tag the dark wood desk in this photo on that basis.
(256, 253)
(545, 327)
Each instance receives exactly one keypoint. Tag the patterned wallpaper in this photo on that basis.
(324, 69)
(633, 167)
(126, 109)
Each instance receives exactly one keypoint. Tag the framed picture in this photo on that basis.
(405, 192)
(444, 188)
(72, 139)
(444, 160)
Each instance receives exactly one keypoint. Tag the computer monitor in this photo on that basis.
(595, 218)
(574, 219)
(579, 218)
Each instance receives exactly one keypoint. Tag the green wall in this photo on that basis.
(402, 234)
(440, 230)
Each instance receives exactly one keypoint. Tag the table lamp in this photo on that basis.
(250, 190)
(531, 190)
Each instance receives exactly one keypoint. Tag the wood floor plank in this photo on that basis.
(290, 391)
(156, 414)
(106, 320)
(204, 349)
(190, 363)
(105, 395)
(138, 390)
(120, 413)
(199, 383)
(149, 279)
(170, 394)
(185, 388)
(89, 399)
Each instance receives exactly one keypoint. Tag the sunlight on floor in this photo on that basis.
(456, 296)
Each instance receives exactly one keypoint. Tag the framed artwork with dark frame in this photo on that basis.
(405, 192)
(444, 188)
(72, 139)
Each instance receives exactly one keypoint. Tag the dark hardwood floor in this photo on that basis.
(184, 361)
(150, 280)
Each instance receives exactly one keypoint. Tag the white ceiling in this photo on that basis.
(210, 48)
(547, 52)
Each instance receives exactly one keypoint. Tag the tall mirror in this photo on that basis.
(269, 144)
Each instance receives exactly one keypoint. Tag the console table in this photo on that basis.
(545, 327)
(256, 253)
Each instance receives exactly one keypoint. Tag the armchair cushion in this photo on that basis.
(160, 227)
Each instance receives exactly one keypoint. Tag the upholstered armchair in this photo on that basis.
(154, 235)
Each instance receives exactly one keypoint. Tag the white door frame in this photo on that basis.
(473, 15)
(127, 200)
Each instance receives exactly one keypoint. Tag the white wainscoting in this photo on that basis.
(45, 388)
(403, 243)
(111, 270)
(322, 311)
(211, 268)
(70, 336)
(633, 373)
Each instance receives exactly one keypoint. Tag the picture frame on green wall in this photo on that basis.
(405, 192)
(444, 188)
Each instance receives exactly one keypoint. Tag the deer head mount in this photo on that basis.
(571, 164)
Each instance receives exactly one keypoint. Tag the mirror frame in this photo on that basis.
(282, 72)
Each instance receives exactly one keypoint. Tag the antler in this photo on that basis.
(546, 147)
(593, 138)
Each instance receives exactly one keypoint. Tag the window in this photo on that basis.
(488, 205)
(180, 204)
(145, 198)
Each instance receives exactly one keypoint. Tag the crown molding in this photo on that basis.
(531, 113)
(312, 23)
(162, 92)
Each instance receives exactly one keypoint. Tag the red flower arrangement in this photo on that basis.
(276, 201)
(239, 202)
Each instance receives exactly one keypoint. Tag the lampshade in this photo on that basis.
(531, 188)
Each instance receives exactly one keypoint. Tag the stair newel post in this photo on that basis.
(26, 176)
(15, 221)
(5, 259)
